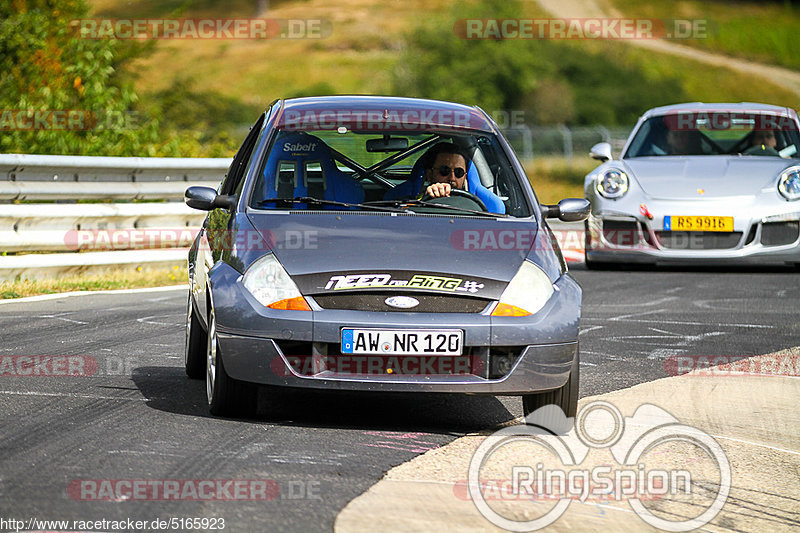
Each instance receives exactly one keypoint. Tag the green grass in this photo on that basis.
(555, 178)
(760, 31)
(367, 36)
(356, 58)
(700, 81)
(362, 51)
(114, 279)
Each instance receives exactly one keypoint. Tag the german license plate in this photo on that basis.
(402, 341)
(695, 223)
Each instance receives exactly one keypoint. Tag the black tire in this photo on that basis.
(566, 397)
(226, 396)
(594, 265)
(194, 357)
(587, 244)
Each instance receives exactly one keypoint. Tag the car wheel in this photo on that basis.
(226, 396)
(594, 265)
(194, 356)
(587, 244)
(565, 398)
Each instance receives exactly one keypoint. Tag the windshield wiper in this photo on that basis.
(414, 202)
(317, 201)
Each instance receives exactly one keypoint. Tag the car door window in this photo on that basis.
(234, 179)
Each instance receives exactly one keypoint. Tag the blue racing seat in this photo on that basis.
(413, 187)
(302, 165)
(492, 202)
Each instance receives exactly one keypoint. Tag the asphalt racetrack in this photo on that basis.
(136, 416)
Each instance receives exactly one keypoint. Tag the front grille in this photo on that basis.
(501, 360)
(646, 234)
(375, 301)
(779, 233)
(621, 232)
(752, 235)
(698, 240)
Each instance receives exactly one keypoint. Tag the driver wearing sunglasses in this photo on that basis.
(446, 169)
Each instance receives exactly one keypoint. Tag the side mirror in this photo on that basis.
(601, 151)
(206, 199)
(568, 210)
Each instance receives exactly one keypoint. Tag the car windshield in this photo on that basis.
(382, 171)
(716, 133)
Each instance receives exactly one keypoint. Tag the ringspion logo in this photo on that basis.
(655, 457)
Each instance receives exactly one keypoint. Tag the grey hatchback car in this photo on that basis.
(325, 262)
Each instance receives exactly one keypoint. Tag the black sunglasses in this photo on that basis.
(459, 172)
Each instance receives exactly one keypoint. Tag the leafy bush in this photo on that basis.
(48, 70)
(553, 82)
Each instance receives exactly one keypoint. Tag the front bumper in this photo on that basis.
(760, 235)
(507, 356)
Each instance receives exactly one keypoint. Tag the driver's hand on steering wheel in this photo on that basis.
(438, 190)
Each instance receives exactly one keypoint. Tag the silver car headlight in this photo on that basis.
(271, 285)
(789, 183)
(526, 293)
(612, 183)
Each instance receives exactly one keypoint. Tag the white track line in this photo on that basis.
(43, 297)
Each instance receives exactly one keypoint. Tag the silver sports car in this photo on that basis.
(380, 244)
(704, 183)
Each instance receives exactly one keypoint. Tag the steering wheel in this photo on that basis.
(456, 193)
(760, 150)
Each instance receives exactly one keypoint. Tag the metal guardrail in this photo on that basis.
(24, 167)
(99, 235)
(108, 235)
(39, 190)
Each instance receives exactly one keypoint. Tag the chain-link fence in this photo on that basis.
(534, 141)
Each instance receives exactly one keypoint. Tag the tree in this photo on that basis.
(492, 73)
(63, 94)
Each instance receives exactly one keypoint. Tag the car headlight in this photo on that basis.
(528, 291)
(612, 183)
(789, 183)
(271, 285)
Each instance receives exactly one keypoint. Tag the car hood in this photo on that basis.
(717, 176)
(311, 243)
